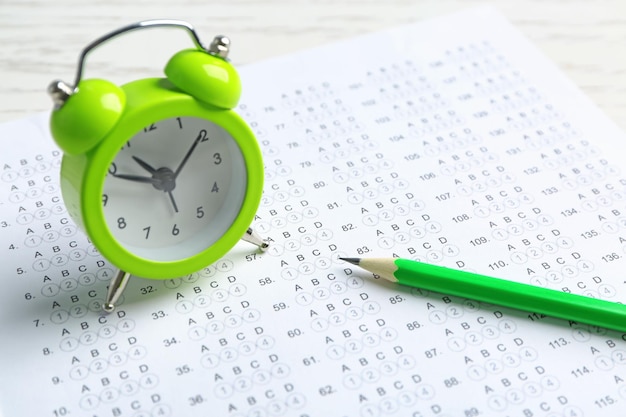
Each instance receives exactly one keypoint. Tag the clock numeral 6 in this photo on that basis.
(175, 230)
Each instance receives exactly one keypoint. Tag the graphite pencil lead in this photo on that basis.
(353, 261)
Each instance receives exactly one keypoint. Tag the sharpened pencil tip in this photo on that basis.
(353, 261)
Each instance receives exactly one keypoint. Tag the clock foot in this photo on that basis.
(116, 288)
(253, 237)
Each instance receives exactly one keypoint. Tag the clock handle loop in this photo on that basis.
(77, 125)
(61, 91)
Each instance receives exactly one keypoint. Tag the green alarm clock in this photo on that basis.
(161, 173)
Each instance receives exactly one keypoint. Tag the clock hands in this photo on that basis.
(166, 172)
(144, 165)
(189, 152)
(173, 201)
(138, 178)
(163, 179)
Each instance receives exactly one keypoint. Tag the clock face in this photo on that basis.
(174, 188)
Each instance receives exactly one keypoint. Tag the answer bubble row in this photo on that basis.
(339, 130)
(450, 144)
(533, 117)
(281, 196)
(89, 337)
(606, 363)
(436, 122)
(110, 394)
(219, 295)
(550, 137)
(340, 318)
(476, 338)
(372, 375)
(509, 203)
(232, 354)
(354, 346)
(59, 316)
(39, 214)
(372, 193)
(507, 360)
(305, 298)
(468, 165)
(306, 239)
(593, 203)
(276, 407)
(81, 372)
(347, 152)
(49, 236)
(32, 193)
(362, 172)
(309, 115)
(391, 405)
(27, 171)
(518, 229)
(304, 97)
(515, 396)
(245, 383)
(387, 215)
(101, 365)
(232, 321)
(71, 284)
(572, 157)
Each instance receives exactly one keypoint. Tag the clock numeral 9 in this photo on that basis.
(105, 199)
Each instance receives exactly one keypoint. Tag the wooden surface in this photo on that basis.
(41, 39)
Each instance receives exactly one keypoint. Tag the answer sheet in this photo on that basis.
(452, 141)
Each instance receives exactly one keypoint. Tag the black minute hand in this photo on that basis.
(189, 152)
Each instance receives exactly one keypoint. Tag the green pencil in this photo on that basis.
(577, 308)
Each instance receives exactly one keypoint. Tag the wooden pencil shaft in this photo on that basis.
(503, 292)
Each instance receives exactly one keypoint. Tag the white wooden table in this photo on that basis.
(41, 39)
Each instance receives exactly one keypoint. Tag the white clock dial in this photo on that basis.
(174, 188)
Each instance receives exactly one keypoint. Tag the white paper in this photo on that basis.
(451, 141)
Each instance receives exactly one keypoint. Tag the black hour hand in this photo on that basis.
(137, 178)
(144, 165)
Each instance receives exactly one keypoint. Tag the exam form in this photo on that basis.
(451, 141)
